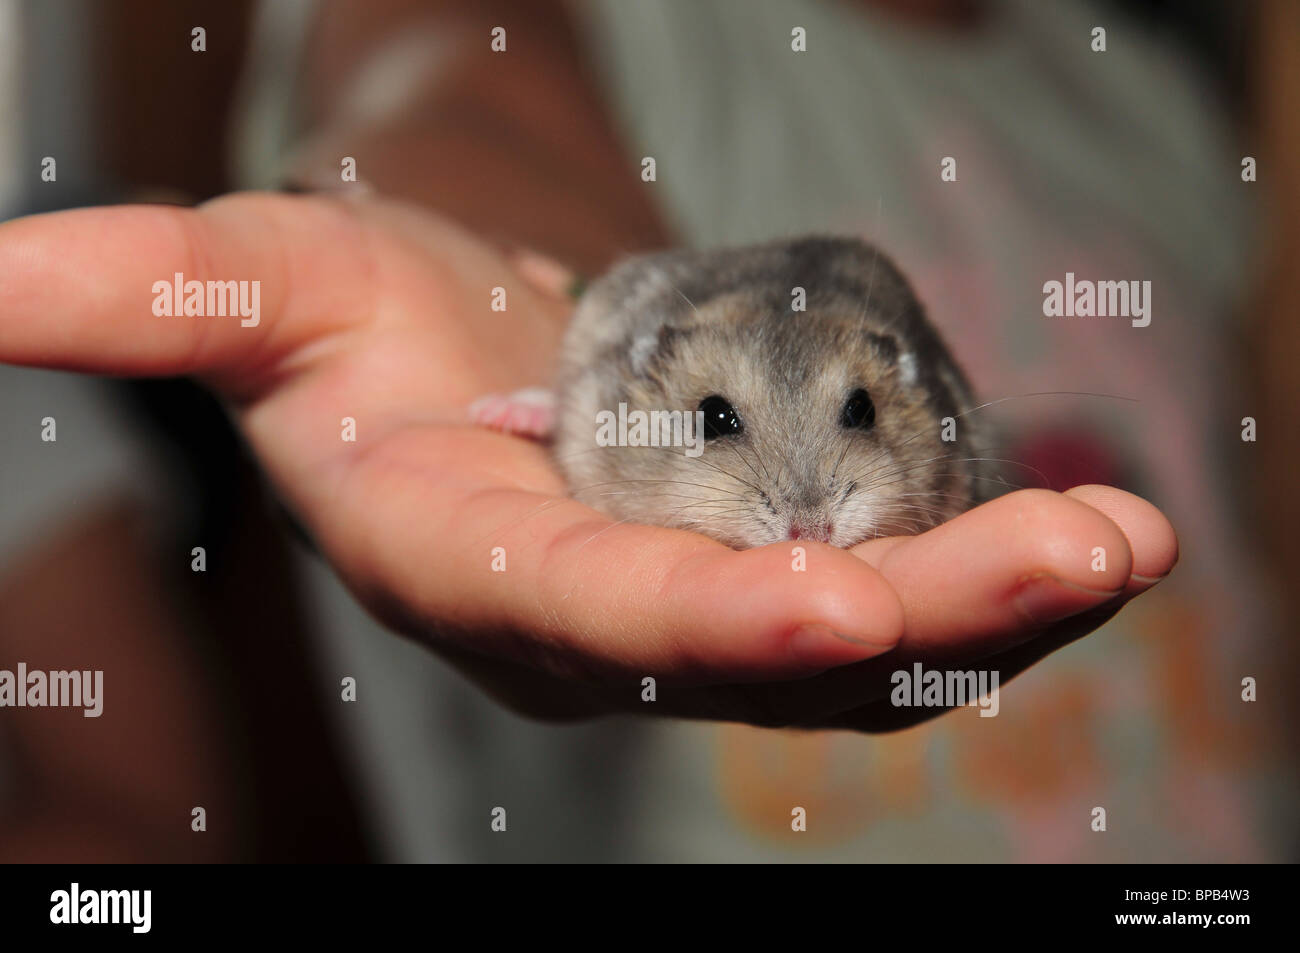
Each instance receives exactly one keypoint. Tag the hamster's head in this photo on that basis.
(816, 426)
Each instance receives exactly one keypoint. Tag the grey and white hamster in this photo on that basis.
(836, 423)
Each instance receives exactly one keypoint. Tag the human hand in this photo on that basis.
(380, 313)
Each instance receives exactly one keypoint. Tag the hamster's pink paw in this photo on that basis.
(525, 413)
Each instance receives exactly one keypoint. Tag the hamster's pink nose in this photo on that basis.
(818, 534)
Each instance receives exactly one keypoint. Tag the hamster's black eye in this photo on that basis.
(720, 418)
(859, 412)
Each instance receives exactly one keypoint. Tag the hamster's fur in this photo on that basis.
(669, 331)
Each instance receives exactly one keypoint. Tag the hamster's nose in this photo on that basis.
(817, 532)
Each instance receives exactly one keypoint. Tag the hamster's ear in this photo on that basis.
(668, 337)
(642, 352)
(886, 346)
(893, 352)
(655, 345)
(907, 368)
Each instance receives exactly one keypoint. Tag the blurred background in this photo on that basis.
(222, 688)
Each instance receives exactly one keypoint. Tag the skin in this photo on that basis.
(378, 311)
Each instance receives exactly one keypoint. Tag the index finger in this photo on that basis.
(96, 290)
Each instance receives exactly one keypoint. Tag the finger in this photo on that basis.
(548, 582)
(994, 575)
(1154, 546)
(1151, 538)
(79, 289)
(977, 585)
(1153, 550)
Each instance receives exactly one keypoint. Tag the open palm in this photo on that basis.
(381, 313)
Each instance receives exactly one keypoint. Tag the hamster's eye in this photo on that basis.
(720, 418)
(859, 412)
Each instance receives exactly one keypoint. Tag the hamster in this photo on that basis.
(831, 409)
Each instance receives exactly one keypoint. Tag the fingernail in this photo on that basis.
(821, 643)
(1045, 598)
(1147, 581)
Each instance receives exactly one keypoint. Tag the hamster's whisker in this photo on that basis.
(935, 493)
(683, 496)
(711, 514)
(905, 527)
(899, 468)
(752, 486)
(708, 463)
(1006, 460)
(559, 500)
(602, 531)
(949, 458)
(1049, 393)
(679, 293)
(935, 511)
(920, 433)
(883, 451)
(736, 448)
(944, 473)
(895, 504)
(702, 486)
(1015, 463)
(730, 504)
(535, 511)
(903, 478)
(843, 453)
